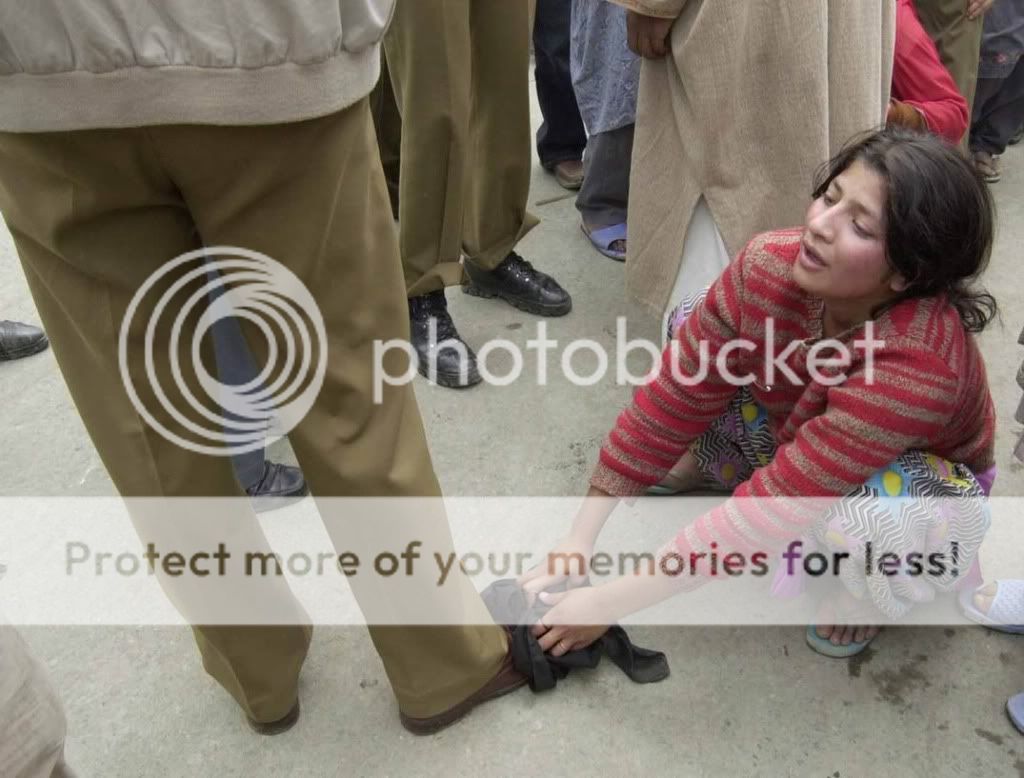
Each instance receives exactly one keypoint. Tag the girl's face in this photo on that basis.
(842, 254)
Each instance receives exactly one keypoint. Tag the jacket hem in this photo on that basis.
(139, 96)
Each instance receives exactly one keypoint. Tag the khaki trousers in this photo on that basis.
(958, 40)
(95, 213)
(460, 74)
(388, 123)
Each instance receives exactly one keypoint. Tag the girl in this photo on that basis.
(899, 227)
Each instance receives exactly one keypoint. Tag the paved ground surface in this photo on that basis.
(740, 702)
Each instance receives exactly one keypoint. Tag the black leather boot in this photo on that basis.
(19, 340)
(280, 485)
(518, 283)
(444, 357)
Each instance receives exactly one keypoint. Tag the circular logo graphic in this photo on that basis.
(234, 285)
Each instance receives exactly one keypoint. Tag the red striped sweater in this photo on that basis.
(929, 392)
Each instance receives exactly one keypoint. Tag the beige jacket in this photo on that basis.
(79, 64)
(755, 95)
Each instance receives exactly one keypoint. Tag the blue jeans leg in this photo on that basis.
(236, 366)
(562, 137)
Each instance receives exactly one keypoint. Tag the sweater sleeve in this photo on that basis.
(905, 400)
(919, 78)
(687, 394)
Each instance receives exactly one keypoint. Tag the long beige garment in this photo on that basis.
(32, 724)
(754, 97)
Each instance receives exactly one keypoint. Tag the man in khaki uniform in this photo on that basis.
(130, 136)
(460, 75)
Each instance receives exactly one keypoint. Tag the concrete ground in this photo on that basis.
(743, 702)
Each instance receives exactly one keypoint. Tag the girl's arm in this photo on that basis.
(655, 431)
(909, 402)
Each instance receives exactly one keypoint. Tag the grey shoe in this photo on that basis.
(988, 165)
(279, 486)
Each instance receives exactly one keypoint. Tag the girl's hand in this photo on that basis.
(578, 618)
(904, 115)
(976, 8)
(648, 35)
(568, 563)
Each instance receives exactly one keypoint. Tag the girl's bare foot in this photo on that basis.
(685, 476)
(839, 608)
(843, 635)
(984, 597)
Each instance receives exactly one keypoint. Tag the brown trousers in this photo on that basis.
(958, 40)
(388, 123)
(95, 213)
(460, 71)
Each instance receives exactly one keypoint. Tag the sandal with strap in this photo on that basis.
(826, 647)
(605, 237)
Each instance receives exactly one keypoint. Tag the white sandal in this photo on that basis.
(1007, 611)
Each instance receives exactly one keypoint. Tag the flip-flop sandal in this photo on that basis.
(705, 489)
(603, 239)
(1007, 611)
(661, 491)
(826, 647)
(1015, 710)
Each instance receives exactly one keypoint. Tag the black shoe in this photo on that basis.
(438, 350)
(517, 282)
(19, 340)
(280, 485)
(1017, 136)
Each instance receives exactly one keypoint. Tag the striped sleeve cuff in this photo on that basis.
(614, 483)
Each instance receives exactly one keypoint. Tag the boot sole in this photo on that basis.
(450, 380)
(269, 503)
(570, 184)
(529, 306)
(444, 720)
(276, 727)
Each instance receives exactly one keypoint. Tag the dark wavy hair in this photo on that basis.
(940, 216)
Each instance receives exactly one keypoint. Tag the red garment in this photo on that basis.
(928, 392)
(920, 79)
